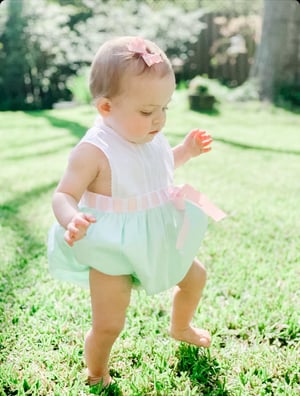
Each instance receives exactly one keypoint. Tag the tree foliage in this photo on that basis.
(34, 66)
(44, 43)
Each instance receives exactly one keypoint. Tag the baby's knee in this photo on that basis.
(200, 270)
(107, 329)
(195, 278)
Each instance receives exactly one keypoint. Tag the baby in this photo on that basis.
(121, 220)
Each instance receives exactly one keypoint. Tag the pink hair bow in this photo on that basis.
(138, 46)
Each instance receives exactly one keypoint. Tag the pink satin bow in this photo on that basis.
(138, 46)
(179, 195)
(186, 192)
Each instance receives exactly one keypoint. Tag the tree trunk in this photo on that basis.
(277, 59)
(14, 48)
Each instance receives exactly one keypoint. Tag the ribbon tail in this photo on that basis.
(201, 200)
(211, 209)
(183, 233)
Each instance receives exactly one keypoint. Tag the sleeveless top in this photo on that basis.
(135, 168)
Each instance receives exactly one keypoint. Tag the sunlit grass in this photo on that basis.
(251, 302)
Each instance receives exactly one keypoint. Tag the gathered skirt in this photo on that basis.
(156, 246)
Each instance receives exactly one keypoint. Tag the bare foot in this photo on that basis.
(192, 335)
(106, 380)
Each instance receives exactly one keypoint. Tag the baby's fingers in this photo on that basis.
(202, 135)
(204, 145)
(72, 228)
(206, 149)
(69, 238)
(206, 142)
(84, 220)
(90, 218)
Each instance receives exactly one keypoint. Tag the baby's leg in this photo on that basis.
(185, 301)
(110, 296)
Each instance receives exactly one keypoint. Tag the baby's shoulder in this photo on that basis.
(86, 153)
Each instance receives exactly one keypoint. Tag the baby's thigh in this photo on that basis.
(110, 296)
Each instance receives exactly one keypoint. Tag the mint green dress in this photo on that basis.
(139, 231)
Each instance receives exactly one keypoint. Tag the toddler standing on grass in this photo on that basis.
(121, 220)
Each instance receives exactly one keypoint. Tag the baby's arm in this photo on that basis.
(195, 143)
(82, 169)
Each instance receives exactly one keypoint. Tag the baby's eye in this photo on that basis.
(146, 113)
(165, 108)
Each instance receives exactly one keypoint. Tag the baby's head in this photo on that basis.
(122, 58)
(132, 82)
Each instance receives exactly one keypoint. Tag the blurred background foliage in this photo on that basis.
(46, 46)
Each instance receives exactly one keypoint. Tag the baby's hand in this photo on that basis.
(197, 142)
(77, 227)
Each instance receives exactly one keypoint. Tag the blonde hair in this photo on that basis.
(114, 62)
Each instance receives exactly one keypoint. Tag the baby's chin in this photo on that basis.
(148, 138)
(145, 139)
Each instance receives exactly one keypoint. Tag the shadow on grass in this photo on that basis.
(203, 370)
(36, 141)
(15, 275)
(175, 139)
(28, 248)
(257, 148)
(76, 129)
(38, 154)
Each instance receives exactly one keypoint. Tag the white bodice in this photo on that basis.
(136, 169)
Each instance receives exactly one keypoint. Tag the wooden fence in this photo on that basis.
(225, 49)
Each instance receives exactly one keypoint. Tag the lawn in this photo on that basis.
(251, 301)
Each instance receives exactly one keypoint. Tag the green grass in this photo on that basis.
(251, 301)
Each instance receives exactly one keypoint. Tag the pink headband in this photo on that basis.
(138, 46)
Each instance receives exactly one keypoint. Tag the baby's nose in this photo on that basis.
(159, 119)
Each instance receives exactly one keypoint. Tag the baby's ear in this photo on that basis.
(104, 106)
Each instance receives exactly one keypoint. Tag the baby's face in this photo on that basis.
(139, 113)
